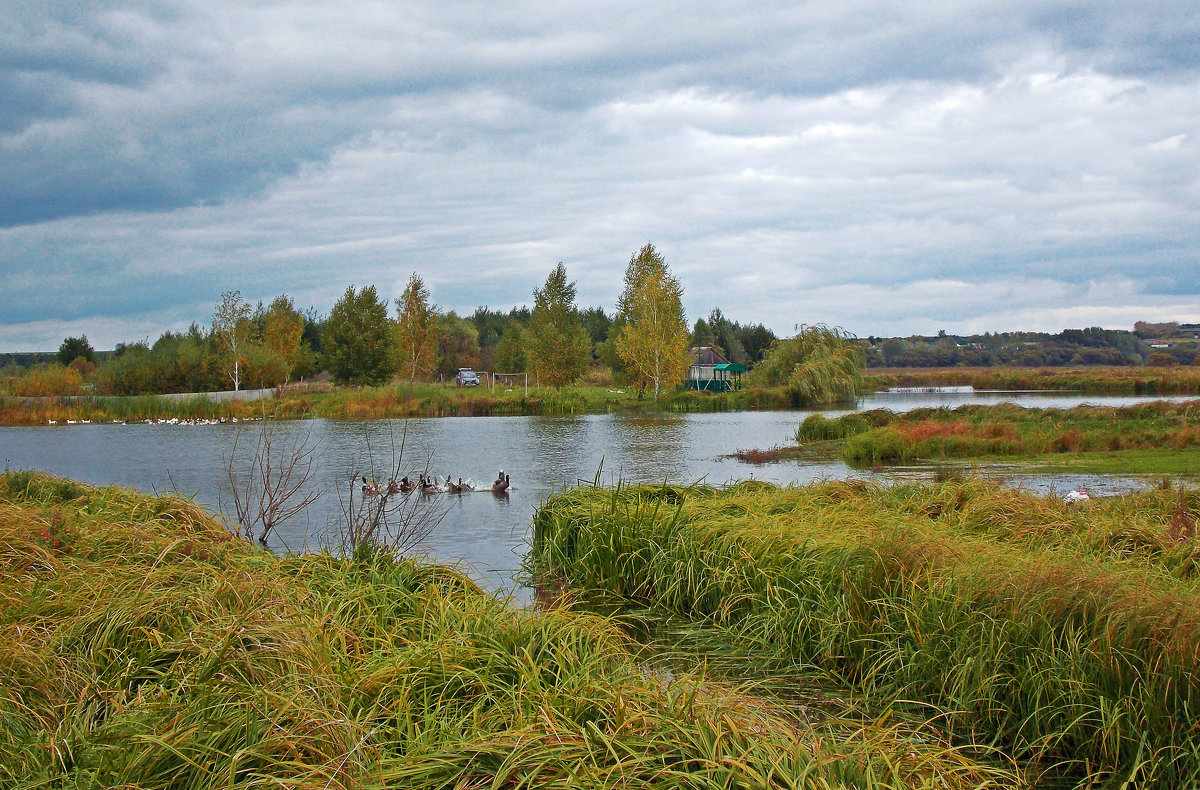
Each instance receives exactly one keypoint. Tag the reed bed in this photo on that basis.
(142, 646)
(1006, 430)
(1068, 636)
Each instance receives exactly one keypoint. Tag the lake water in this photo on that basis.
(483, 533)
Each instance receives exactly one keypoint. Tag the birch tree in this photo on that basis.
(283, 327)
(653, 338)
(233, 331)
(417, 331)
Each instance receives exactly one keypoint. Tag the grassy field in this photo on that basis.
(1068, 637)
(142, 646)
(1174, 380)
(1150, 438)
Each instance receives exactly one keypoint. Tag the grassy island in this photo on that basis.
(142, 646)
(1068, 637)
(1155, 438)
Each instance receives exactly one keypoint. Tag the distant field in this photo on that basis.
(1116, 380)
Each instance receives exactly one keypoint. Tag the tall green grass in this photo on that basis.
(1069, 637)
(142, 646)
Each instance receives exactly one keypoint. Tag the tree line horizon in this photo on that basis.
(365, 341)
(644, 343)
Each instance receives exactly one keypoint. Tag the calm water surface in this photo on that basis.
(484, 533)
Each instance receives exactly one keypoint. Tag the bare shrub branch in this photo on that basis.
(385, 515)
(272, 485)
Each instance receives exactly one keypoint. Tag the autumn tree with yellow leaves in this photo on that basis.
(653, 335)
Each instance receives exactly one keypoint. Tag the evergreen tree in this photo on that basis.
(557, 346)
(74, 348)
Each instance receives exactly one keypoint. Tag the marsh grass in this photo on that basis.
(1005, 431)
(141, 645)
(1069, 637)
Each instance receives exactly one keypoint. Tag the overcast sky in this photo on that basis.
(893, 168)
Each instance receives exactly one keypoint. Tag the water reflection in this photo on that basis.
(649, 447)
(558, 447)
(484, 532)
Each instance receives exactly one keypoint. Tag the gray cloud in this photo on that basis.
(152, 156)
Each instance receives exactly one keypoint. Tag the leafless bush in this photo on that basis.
(272, 485)
(381, 515)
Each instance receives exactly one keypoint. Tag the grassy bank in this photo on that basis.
(1175, 380)
(1068, 637)
(391, 401)
(1152, 438)
(142, 646)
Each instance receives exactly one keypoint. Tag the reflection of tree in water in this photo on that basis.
(648, 448)
(559, 447)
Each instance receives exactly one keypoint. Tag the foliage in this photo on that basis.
(177, 362)
(510, 351)
(417, 331)
(492, 325)
(282, 339)
(1092, 346)
(358, 339)
(44, 381)
(745, 345)
(457, 344)
(233, 332)
(557, 346)
(1066, 635)
(74, 348)
(819, 366)
(653, 336)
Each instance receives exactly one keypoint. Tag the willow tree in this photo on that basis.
(818, 367)
(653, 335)
(557, 346)
(417, 331)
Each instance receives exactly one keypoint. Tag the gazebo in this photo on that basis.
(712, 372)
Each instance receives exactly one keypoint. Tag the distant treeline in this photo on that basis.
(282, 344)
(1149, 344)
(285, 344)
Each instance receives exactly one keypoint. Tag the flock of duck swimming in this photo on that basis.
(430, 485)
